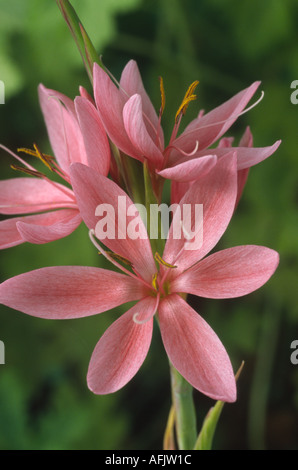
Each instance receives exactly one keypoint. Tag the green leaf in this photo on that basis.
(205, 437)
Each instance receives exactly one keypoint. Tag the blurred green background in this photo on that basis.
(227, 45)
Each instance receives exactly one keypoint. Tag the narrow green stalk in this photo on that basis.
(182, 396)
(205, 437)
(86, 49)
(262, 377)
(157, 244)
(133, 176)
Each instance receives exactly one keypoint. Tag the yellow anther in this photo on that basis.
(192, 88)
(118, 257)
(154, 281)
(163, 262)
(28, 151)
(189, 96)
(163, 95)
(27, 171)
(46, 159)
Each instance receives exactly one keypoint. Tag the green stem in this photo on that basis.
(157, 244)
(82, 40)
(133, 176)
(182, 396)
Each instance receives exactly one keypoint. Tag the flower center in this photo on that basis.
(47, 160)
(160, 284)
(188, 97)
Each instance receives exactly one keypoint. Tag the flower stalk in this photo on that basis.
(86, 49)
(185, 413)
(119, 134)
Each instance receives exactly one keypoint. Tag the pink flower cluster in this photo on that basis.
(80, 134)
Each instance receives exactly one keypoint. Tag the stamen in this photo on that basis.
(33, 172)
(188, 238)
(113, 261)
(28, 151)
(163, 262)
(17, 157)
(154, 283)
(118, 257)
(186, 154)
(189, 96)
(233, 117)
(46, 159)
(149, 317)
(253, 105)
(192, 88)
(27, 171)
(163, 96)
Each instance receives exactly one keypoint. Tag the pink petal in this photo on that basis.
(225, 142)
(13, 231)
(84, 93)
(67, 102)
(63, 129)
(242, 179)
(131, 82)
(246, 156)
(25, 195)
(217, 193)
(247, 138)
(68, 291)
(190, 170)
(195, 350)
(209, 128)
(9, 234)
(245, 141)
(95, 138)
(134, 123)
(121, 351)
(92, 190)
(110, 103)
(50, 226)
(178, 190)
(230, 273)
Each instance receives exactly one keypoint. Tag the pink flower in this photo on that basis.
(133, 125)
(178, 189)
(191, 345)
(76, 135)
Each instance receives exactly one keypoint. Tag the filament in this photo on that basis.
(113, 261)
(234, 116)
